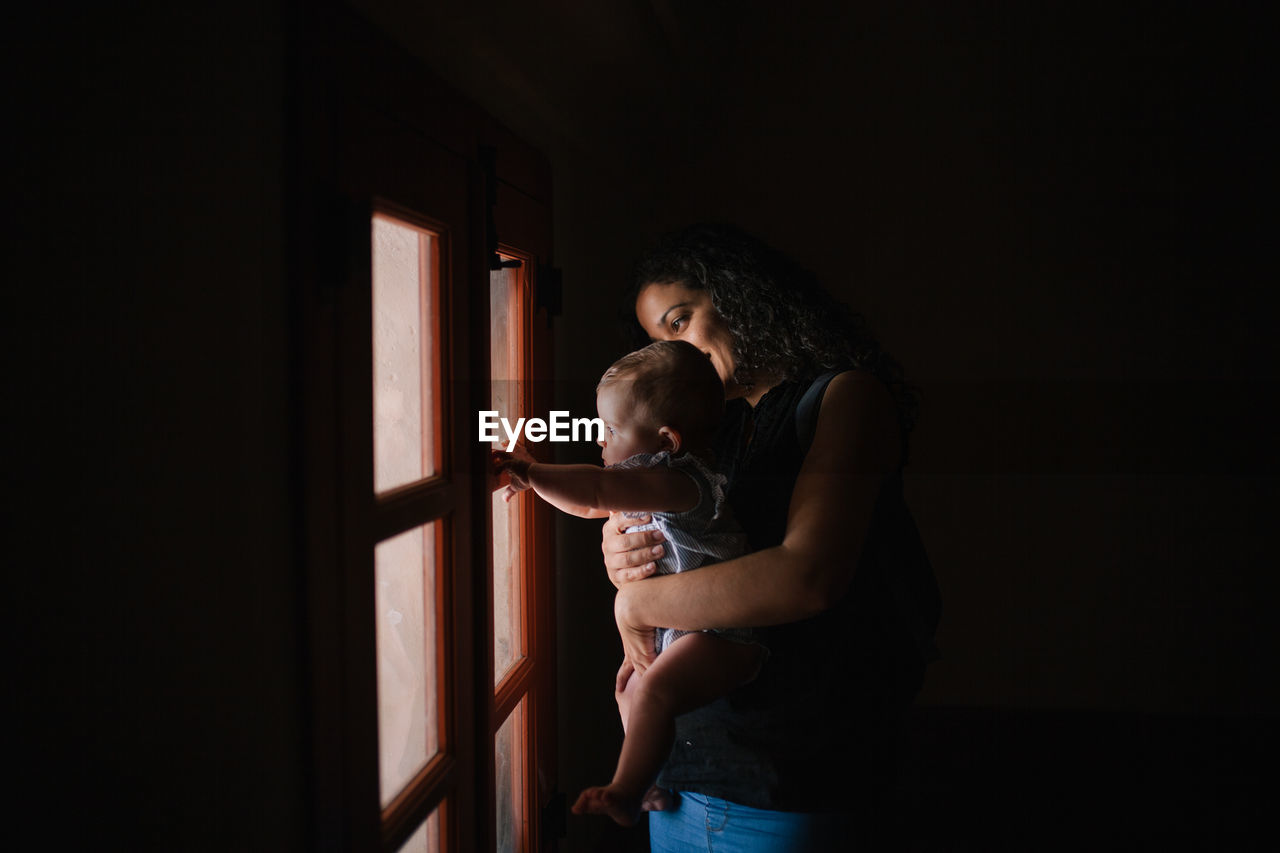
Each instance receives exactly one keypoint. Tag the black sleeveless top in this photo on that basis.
(813, 732)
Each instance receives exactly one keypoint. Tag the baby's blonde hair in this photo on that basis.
(672, 383)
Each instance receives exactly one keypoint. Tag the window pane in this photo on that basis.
(510, 781)
(506, 584)
(405, 279)
(427, 838)
(507, 398)
(408, 676)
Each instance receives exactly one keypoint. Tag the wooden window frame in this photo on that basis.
(355, 94)
(533, 676)
(437, 498)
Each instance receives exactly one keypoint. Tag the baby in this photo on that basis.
(660, 406)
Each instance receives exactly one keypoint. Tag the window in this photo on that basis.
(507, 362)
(431, 644)
(410, 588)
(519, 528)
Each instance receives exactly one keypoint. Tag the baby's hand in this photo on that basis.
(516, 468)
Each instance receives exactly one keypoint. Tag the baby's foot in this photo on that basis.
(656, 800)
(607, 801)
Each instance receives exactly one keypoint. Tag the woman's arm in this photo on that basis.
(857, 444)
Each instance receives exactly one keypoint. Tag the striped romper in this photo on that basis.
(700, 536)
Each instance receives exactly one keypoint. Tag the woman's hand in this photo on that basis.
(629, 556)
(637, 638)
(623, 676)
(515, 466)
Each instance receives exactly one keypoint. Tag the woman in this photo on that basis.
(799, 759)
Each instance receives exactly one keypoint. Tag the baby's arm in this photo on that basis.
(590, 492)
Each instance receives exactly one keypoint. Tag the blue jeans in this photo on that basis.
(699, 824)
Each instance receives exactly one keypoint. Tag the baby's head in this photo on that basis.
(666, 396)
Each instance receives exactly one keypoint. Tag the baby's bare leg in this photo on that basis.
(655, 799)
(693, 671)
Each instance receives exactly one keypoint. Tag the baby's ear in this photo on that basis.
(670, 439)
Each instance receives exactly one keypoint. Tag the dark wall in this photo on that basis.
(153, 595)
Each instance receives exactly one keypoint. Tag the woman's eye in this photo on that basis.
(677, 323)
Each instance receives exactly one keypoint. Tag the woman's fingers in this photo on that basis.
(624, 675)
(619, 521)
(629, 556)
(637, 639)
(638, 563)
(639, 573)
(628, 550)
(637, 643)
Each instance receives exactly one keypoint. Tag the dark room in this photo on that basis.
(275, 590)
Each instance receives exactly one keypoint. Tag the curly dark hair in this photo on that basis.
(787, 320)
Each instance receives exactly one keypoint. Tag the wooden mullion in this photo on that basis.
(524, 226)
(515, 685)
(355, 399)
(414, 804)
(528, 584)
(429, 352)
(408, 508)
(468, 321)
(439, 333)
(446, 699)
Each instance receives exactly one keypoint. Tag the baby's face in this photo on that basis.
(624, 434)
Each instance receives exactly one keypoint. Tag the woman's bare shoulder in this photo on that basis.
(858, 418)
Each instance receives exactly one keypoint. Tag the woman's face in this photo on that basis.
(673, 312)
